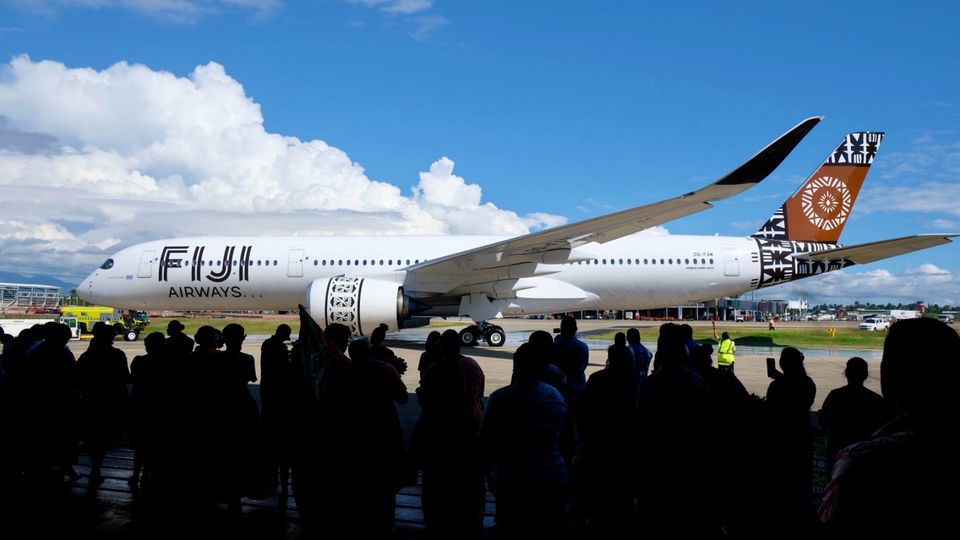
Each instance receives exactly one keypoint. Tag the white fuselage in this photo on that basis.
(273, 273)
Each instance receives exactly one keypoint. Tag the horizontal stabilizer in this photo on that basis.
(883, 249)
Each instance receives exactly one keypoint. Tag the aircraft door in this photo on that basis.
(146, 263)
(731, 263)
(295, 263)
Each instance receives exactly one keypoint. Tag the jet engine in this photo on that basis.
(360, 304)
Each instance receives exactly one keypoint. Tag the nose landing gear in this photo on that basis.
(491, 333)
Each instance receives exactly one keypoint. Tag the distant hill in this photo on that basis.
(10, 277)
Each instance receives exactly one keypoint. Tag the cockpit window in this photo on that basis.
(107, 264)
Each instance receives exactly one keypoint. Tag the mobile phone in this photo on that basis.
(772, 370)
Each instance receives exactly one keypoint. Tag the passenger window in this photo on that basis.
(356, 262)
(340, 262)
(316, 262)
(274, 262)
(644, 261)
(390, 262)
(686, 261)
(348, 262)
(364, 262)
(628, 261)
(654, 261)
(661, 261)
(381, 262)
(711, 261)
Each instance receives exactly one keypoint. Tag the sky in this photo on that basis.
(128, 120)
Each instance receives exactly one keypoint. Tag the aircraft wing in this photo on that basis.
(883, 249)
(476, 269)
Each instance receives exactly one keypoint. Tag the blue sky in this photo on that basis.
(556, 110)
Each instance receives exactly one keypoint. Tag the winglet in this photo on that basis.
(765, 161)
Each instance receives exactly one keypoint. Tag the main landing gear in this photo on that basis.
(493, 334)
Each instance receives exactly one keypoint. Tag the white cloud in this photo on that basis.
(404, 7)
(943, 224)
(411, 13)
(131, 154)
(176, 10)
(927, 197)
(426, 25)
(926, 282)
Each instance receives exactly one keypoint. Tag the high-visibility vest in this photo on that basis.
(725, 353)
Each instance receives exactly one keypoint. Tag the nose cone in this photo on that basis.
(85, 290)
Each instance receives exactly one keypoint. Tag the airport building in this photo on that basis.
(19, 296)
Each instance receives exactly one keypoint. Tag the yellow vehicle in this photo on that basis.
(127, 323)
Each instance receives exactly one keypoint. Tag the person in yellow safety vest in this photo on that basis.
(725, 352)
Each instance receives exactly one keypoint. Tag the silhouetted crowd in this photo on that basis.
(663, 445)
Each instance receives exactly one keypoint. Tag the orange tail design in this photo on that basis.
(818, 211)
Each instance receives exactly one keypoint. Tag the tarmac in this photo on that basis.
(114, 510)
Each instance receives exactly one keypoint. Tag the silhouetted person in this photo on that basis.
(102, 376)
(431, 352)
(320, 430)
(178, 343)
(374, 439)
(789, 398)
(726, 388)
(641, 354)
(900, 483)
(675, 437)
(520, 441)
(852, 413)
(203, 428)
(241, 447)
(451, 402)
(543, 352)
(383, 354)
(607, 416)
(48, 400)
(147, 397)
(686, 332)
(276, 390)
(572, 356)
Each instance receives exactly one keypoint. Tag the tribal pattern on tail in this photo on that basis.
(778, 265)
(858, 149)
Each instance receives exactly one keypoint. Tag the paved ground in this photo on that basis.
(824, 366)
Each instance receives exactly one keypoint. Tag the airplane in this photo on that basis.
(593, 264)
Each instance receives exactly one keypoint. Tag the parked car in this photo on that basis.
(944, 318)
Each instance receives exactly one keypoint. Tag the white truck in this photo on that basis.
(901, 314)
(875, 323)
(15, 326)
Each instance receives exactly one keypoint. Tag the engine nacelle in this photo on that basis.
(360, 304)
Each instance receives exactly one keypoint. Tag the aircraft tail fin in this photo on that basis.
(818, 210)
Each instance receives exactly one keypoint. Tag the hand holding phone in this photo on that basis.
(772, 370)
